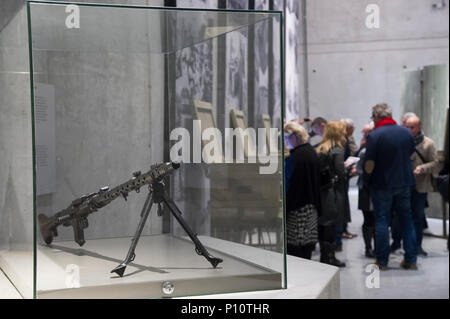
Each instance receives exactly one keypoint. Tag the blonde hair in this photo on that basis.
(295, 127)
(333, 136)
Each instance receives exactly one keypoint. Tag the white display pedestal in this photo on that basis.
(306, 279)
(65, 270)
(253, 269)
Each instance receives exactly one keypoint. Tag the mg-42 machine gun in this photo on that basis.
(76, 214)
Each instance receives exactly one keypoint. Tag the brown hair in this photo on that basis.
(318, 121)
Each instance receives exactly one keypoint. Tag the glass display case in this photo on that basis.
(141, 153)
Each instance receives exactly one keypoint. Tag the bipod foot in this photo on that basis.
(214, 261)
(119, 269)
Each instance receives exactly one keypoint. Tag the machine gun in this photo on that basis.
(76, 214)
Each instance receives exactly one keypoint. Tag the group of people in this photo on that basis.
(394, 165)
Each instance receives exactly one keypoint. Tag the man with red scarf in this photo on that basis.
(389, 175)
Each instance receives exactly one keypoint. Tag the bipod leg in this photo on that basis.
(131, 255)
(199, 248)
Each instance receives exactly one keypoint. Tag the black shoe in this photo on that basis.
(422, 252)
(336, 262)
(327, 255)
(332, 260)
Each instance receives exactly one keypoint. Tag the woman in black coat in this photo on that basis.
(302, 192)
(334, 191)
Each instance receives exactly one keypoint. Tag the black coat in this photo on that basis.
(364, 201)
(335, 205)
(304, 182)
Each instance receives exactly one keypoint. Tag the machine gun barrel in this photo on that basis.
(76, 214)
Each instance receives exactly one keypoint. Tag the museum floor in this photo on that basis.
(430, 281)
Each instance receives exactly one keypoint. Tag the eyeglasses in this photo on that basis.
(288, 135)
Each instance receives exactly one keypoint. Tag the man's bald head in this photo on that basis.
(414, 125)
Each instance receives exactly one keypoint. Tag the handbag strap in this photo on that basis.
(421, 156)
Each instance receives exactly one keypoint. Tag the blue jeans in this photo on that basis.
(418, 201)
(418, 204)
(384, 201)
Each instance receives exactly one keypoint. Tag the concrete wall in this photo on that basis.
(426, 94)
(352, 67)
(435, 95)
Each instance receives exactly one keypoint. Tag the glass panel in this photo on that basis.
(122, 25)
(116, 94)
(16, 168)
(231, 201)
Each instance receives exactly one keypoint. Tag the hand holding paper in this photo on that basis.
(352, 160)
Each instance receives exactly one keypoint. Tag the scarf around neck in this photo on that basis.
(419, 138)
(385, 121)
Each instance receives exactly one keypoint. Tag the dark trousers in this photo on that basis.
(418, 201)
(369, 218)
(368, 228)
(418, 204)
(300, 251)
(400, 200)
(327, 233)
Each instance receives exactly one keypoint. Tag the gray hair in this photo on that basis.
(408, 115)
(382, 110)
(348, 122)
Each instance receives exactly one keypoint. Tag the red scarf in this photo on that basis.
(385, 121)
